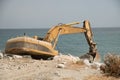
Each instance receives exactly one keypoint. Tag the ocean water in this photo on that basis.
(107, 39)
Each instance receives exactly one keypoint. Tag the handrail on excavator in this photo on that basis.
(73, 23)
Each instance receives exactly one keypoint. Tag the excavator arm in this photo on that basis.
(92, 45)
(61, 29)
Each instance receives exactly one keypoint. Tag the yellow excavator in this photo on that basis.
(45, 47)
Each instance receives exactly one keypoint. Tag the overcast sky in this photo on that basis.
(47, 13)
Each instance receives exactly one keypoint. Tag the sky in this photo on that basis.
(47, 13)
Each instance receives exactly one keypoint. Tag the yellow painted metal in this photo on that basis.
(56, 39)
(65, 29)
(18, 49)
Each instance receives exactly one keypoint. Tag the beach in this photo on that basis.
(29, 69)
(59, 40)
(62, 67)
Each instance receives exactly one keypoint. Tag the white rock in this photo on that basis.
(64, 62)
(60, 66)
(96, 65)
(66, 58)
(10, 58)
(86, 62)
(74, 59)
(17, 56)
(1, 55)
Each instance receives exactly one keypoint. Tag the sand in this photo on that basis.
(31, 69)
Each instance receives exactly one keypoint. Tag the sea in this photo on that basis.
(107, 39)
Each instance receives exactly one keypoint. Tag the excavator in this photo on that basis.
(45, 47)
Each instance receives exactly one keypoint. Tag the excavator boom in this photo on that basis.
(62, 29)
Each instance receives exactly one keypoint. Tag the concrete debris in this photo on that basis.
(10, 58)
(1, 55)
(27, 56)
(60, 66)
(74, 59)
(95, 65)
(63, 62)
(86, 62)
(66, 58)
(17, 56)
(87, 56)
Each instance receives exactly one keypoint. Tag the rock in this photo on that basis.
(96, 65)
(102, 67)
(57, 74)
(74, 59)
(86, 62)
(66, 58)
(87, 56)
(64, 62)
(19, 68)
(1, 55)
(27, 56)
(10, 58)
(60, 66)
(17, 56)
